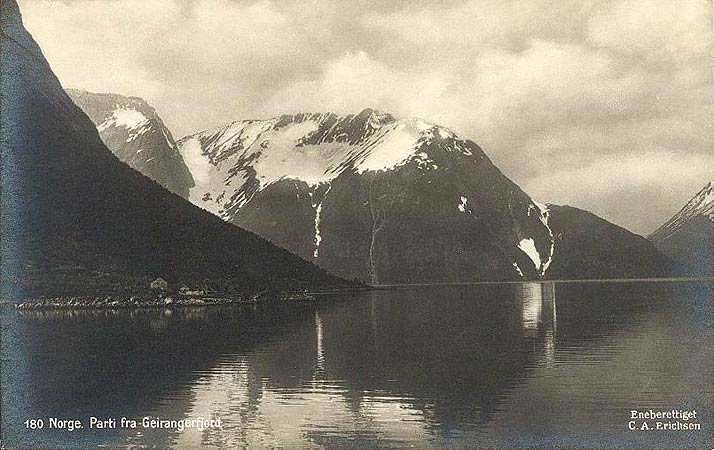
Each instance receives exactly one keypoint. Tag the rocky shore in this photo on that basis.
(117, 302)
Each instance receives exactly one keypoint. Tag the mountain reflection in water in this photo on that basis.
(513, 365)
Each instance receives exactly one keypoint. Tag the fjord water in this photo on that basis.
(544, 365)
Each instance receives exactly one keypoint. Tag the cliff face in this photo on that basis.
(135, 133)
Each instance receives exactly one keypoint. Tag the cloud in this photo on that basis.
(95, 44)
(622, 189)
(207, 62)
(550, 84)
(355, 81)
(660, 28)
(551, 90)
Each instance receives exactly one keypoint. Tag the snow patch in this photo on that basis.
(518, 269)
(544, 217)
(134, 121)
(206, 177)
(528, 247)
(395, 146)
(464, 204)
(169, 142)
(124, 117)
(282, 158)
(318, 238)
(197, 164)
(423, 161)
(707, 195)
(318, 212)
(235, 136)
(541, 206)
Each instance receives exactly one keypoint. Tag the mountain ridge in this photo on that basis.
(701, 204)
(688, 236)
(331, 188)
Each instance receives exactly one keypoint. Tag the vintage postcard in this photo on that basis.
(338, 224)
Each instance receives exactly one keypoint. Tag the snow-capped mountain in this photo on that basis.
(135, 133)
(701, 205)
(688, 236)
(378, 198)
(77, 221)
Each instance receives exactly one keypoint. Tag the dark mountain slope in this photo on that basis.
(75, 219)
(589, 247)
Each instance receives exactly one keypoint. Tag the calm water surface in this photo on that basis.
(507, 366)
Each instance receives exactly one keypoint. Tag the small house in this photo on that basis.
(185, 290)
(159, 284)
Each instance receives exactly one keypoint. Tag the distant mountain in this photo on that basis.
(688, 237)
(135, 133)
(590, 247)
(388, 200)
(76, 220)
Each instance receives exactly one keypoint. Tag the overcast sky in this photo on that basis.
(604, 105)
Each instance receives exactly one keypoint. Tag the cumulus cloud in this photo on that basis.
(355, 81)
(600, 104)
(95, 44)
(666, 29)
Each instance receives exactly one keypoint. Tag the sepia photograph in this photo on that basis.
(340, 224)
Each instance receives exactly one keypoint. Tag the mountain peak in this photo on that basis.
(241, 158)
(374, 118)
(73, 92)
(101, 105)
(688, 237)
(701, 204)
(135, 133)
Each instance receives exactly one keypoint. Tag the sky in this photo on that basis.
(605, 105)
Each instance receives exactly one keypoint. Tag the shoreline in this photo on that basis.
(702, 279)
(131, 302)
(88, 302)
